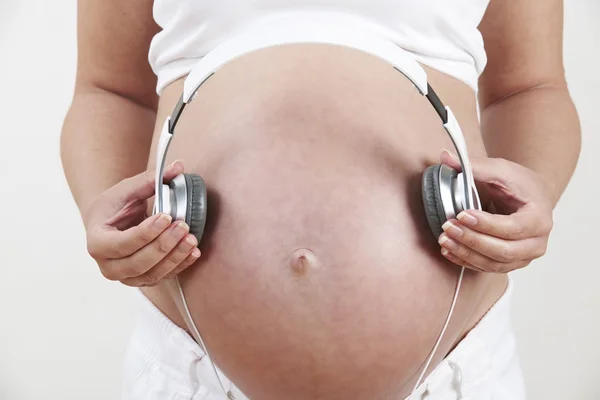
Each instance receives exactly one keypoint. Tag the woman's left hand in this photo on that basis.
(515, 236)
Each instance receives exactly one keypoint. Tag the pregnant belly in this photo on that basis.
(319, 278)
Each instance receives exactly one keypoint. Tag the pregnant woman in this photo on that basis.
(317, 275)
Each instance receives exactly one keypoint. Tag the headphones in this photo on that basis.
(445, 191)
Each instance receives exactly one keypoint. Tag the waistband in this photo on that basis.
(160, 341)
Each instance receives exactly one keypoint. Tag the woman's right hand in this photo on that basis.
(133, 249)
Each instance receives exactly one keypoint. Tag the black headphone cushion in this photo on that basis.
(432, 199)
(195, 215)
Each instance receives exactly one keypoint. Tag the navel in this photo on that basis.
(302, 261)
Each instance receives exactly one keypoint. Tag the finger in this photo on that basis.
(498, 249)
(446, 253)
(458, 261)
(148, 256)
(525, 223)
(113, 244)
(174, 259)
(476, 259)
(189, 261)
(141, 186)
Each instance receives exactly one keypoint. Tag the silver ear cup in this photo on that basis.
(186, 201)
(178, 198)
(167, 201)
(459, 195)
(444, 196)
(452, 199)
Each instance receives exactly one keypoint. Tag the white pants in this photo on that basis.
(165, 363)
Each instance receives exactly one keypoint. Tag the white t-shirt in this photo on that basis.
(441, 34)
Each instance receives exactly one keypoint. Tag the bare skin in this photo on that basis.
(319, 278)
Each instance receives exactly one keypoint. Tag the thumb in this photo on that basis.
(498, 173)
(141, 186)
(487, 170)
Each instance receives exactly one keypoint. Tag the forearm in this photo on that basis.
(539, 129)
(105, 139)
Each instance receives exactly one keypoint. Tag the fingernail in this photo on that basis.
(449, 152)
(447, 242)
(173, 163)
(191, 240)
(452, 229)
(180, 229)
(445, 251)
(162, 221)
(466, 219)
(196, 253)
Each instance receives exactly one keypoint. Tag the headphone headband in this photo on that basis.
(265, 36)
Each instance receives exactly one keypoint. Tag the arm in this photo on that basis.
(527, 115)
(106, 138)
(108, 130)
(531, 132)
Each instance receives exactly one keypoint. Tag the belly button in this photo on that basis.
(302, 261)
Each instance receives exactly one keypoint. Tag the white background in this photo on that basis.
(63, 328)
